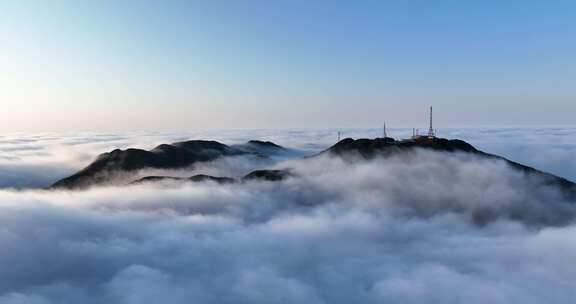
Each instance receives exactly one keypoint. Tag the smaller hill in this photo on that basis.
(196, 178)
(166, 156)
(267, 175)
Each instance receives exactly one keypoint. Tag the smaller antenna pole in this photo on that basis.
(384, 134)
(339, 133)
(431, 130)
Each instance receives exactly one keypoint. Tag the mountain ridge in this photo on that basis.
(188, 153)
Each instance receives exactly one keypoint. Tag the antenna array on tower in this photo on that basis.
(431, 132)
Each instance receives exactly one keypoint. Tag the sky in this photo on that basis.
(186, 65)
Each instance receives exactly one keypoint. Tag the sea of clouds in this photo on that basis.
(418, 228)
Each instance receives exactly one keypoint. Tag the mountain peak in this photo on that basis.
(373, 147)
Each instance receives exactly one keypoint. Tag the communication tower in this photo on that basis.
(431, 132)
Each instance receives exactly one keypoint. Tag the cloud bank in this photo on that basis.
(421, 228)
(38, 160)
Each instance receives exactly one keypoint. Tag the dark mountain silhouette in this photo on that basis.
(173, 156)
(264, 175)
(369, 148)
(261, 147)
(267, 175)
(196, 178)
(209, 178)
(352, 149)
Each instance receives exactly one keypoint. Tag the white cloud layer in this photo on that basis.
(37, 160)
(399, 230)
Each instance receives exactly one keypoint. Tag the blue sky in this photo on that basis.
(160, 65)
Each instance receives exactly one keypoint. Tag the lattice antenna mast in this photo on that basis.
(431, 129)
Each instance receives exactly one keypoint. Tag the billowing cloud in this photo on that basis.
(38, 160)
(419, 228)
